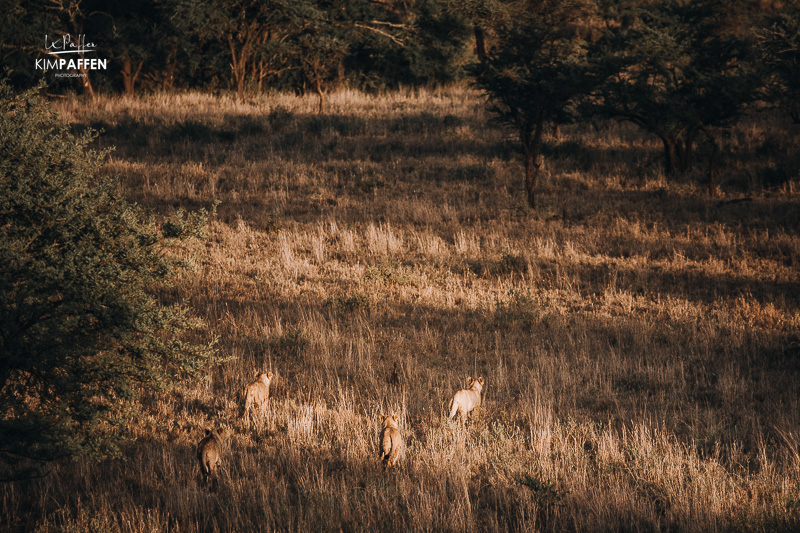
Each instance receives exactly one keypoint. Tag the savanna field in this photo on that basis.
(639, 340)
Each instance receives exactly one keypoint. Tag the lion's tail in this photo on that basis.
(453, 407)
(395, 451)
(386, 447)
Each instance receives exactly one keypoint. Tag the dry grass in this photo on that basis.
(639, 341)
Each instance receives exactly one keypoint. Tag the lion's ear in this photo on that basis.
(396, 417)
(269, 375)
(480, 380)
(469, 379)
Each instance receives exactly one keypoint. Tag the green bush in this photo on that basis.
(82, 333)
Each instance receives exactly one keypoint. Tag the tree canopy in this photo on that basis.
(536, 72)
(677, 72)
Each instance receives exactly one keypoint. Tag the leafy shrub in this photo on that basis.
(353, 303)
(188, 224)
(386, 273)
(83, 333)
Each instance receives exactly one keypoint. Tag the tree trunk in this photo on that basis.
(168, 81)
(239, 64)
(318, 87)
(688, 151)
(321, 94)
(712, 166)
(531, 146)
(678, 153)
(262, 67)
(77, 28)
(671, 163)
(531, 173)
(480, 43)
(87, 83)
(128, 77)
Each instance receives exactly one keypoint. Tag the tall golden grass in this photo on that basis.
(640, 341)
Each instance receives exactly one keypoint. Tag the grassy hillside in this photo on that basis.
(640, 342)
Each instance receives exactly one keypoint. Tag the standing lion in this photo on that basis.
(256, 394)
(209, 454)
(391, 443)
(468, 399)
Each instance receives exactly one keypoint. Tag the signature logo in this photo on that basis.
(66, 44)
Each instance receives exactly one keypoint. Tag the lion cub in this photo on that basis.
(256, 394)
(466, 400)
(391, 445)
(209, 452)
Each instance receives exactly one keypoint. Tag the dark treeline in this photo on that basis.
(245, 45)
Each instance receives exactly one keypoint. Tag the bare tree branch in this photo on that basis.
(388, 35)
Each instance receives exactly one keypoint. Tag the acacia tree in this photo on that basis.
(678, 74)
(320, 54)
(536, 72)
(82, 331)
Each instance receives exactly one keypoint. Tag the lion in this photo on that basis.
(466, 400)
(209, 453)
(391, 443)
(256, 394)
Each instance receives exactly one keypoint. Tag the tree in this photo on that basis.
(536, 73)
(438, 53)
(678, 74)
(320, 55)
(83, 332)
(21, 38)
(320, 43)
(400, 43)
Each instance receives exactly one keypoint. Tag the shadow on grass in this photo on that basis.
(325, 136)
